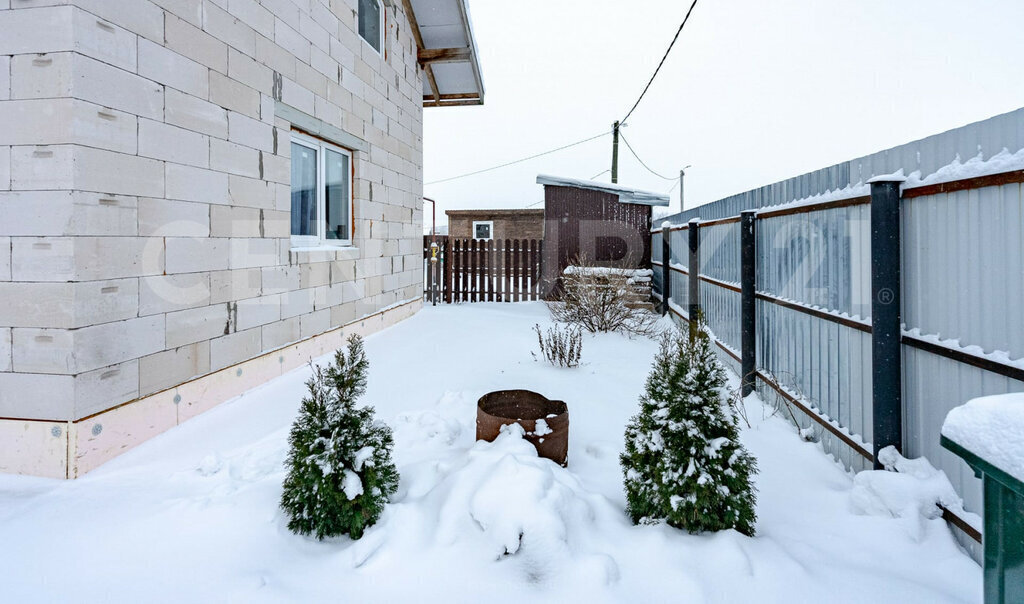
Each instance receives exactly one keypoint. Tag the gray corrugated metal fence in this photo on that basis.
(962, 284)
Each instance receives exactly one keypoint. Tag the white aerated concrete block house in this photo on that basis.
(198, 195)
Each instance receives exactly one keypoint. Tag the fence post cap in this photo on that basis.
(884, 178)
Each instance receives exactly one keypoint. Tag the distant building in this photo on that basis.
(496, 224)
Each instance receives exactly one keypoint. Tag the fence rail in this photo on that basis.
(471, 270)
(872, 349)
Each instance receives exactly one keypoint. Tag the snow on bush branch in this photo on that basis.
(600, 299)
(340, 473)
(683, 462)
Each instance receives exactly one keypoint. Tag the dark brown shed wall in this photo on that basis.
(595, 225)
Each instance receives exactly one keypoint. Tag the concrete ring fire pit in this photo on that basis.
(546, 422)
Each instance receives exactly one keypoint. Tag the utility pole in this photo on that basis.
(682, 175)
(615, 152)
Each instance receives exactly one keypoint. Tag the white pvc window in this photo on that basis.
(321, 193)
(483, 229)
(371, 23)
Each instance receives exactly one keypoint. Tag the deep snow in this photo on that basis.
(193, 515)
(991, 427)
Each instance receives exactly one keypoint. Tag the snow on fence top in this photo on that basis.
(991, 427)
(626, 194)
(977, 149)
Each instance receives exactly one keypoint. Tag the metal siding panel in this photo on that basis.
(965, 249)
(927, 155)
(963, 276)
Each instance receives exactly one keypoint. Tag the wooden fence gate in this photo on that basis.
(470, 270)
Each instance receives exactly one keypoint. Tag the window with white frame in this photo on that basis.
(321, 193)
(483, 229)
(371, 23)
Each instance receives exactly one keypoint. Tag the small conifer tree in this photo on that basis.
(683, 462)
(340, 473)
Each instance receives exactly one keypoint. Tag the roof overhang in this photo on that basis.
(446, 52)
(626, 194)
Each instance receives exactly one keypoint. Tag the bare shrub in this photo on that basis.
(601, 299)
(560, 347)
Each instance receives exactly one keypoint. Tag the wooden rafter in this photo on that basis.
(414, 26)
(475, 101)
(443, 55)
(452, 100)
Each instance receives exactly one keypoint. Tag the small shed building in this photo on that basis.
(602, 224)
(496, 224)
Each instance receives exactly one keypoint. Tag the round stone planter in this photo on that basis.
(504, 407)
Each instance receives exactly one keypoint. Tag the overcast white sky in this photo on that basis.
(755, 91)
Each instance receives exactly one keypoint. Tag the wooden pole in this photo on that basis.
(615, 152)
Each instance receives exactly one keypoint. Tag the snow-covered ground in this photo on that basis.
(192, 516)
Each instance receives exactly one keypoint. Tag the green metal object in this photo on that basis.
(1003, 537)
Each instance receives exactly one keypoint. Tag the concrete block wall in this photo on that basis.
(144, 189)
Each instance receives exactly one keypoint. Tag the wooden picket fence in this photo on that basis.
(469, 270)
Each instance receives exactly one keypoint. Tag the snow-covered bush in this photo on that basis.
(340, 473)
(683, 462)
(604, 300)
(560, 347)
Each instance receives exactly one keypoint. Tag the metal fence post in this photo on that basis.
(748, 306)
(693, 268)
(666, 269)
(886, 366)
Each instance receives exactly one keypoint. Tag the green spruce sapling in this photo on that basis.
(683, 462)
(340, 473)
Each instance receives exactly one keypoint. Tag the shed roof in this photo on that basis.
(446, 51)
(626, 194)
(506, 213)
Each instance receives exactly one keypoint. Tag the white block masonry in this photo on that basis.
(145, 196)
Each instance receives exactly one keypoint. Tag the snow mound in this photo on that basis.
(991, 427)
(909, 489)
(432, 430)
(502, 504)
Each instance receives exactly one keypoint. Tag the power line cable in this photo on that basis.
(630, 147)
(517, 161)
(651, 81)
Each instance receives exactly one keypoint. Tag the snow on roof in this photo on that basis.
(626, 194)
(991, 427)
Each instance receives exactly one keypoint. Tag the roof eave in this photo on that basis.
(427, 57)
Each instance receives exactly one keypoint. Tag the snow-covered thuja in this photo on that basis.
(683, 462)
(340, 473)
